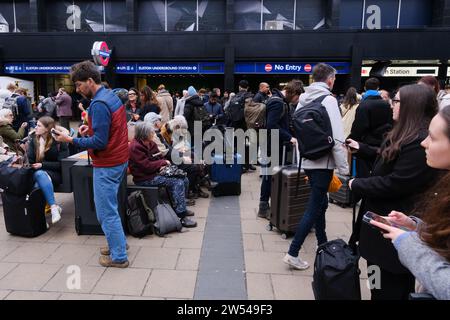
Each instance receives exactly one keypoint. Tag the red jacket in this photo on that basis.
(143, 163)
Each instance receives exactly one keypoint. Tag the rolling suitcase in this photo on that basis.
(287, 203)
(227, 176)
(86, 222)
(344, 196)
(25, 215)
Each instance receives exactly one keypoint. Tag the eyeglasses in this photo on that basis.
(132, 94)
(395, 101)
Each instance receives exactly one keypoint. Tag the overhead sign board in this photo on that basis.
(286, 67)
(404, 71)
(170, 68)
(37, 68)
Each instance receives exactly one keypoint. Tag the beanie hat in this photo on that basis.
(192, 91)
(152, 117)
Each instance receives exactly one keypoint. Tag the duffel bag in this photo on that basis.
(15, 179)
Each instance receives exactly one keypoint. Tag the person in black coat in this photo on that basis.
(45, 155)
(373, 120)
(149, 103)
(399, 175)
(193, 108)
(277, 118)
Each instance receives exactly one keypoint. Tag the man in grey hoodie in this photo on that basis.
(320, 171)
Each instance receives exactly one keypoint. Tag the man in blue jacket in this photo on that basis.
(277, 118)
(214, 108)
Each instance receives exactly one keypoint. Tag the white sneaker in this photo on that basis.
(56, 214)
(295, 262)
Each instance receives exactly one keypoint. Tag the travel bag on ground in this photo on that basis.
(287, 204)
(140, 216)
(336, 272)
(166, 220)
(16, 179)
(226, 176)
(24, 214)
(86, 222)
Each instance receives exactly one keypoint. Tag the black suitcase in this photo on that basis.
(86, 222)
(25, 215)
(287, 204)
(344, 196)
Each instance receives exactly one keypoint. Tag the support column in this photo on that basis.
(355, 71)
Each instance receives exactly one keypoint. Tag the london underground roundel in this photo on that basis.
(268, 67)
(308, 68)
(101, 53)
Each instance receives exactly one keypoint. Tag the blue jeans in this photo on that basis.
(44, 182)
(177, 188)
(106, 187)
(319, 180)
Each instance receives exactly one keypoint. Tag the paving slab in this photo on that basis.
(29, 277)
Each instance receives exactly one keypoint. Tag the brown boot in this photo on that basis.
(105, 261)
(105, 250)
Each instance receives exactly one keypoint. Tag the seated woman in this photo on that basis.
(425, 249)
(7, 132)
(175, 132)
(145, 164)
(45, 155)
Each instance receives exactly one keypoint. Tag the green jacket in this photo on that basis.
(9, 135)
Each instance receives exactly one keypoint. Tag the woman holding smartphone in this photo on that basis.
(425, 248)
(399, 175)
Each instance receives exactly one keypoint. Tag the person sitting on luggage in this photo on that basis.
(45, 155)
(145, 164)
(400, 173)
(7, 132)
(425, 248)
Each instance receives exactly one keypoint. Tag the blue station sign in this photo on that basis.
(286, 67)
(170, 68)
(37, 68)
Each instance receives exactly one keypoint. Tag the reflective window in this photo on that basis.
(74, 16)
(247, 14)
(310, 14)
(151, 16)
(351, 14)
(91, 15)
(115, 16)
(182, 15)
(211, 15)
(278, 15)
(415, 13)
(14, 16)
(7, 17)
(381, 14)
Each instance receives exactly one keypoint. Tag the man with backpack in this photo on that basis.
(236, 116)
(194, 110)
(318, 127)
(277, 118)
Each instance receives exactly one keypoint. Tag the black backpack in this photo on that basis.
(200, 114)
(313, 131)
(235, 111)
(140, 217)
(336, 272)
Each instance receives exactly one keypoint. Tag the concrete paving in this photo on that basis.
(230, 255)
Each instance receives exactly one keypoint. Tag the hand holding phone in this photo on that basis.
(54, 132)
(373, 216)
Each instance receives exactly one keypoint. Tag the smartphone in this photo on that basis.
(373, 216)
(54, 132)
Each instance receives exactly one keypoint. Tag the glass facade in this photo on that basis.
(14, 16)
(211, 15)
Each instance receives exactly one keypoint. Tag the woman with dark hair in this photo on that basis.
(45, 155)
(399, 175)
(425, 248)
(133, 106)
(431, 82)
(348, 109)
(149, 102)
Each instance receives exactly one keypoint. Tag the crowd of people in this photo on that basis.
(400, 142)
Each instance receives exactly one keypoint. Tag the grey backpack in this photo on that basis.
(166, 219)
(11, 104)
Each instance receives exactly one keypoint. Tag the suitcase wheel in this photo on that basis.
(284, 236)
(269, 227)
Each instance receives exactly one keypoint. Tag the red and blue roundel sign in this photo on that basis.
(268, 67)
(308, 68)
(101, 53)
